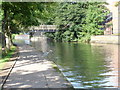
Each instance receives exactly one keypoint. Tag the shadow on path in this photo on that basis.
(33, 71)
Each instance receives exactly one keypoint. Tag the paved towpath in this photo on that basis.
(32, 71)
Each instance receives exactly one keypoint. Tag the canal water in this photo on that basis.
(84, 65)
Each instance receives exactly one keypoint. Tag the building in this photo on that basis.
(115, 14)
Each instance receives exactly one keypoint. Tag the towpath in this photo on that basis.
(32, 71)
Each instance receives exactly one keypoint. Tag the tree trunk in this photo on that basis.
(9, 42)
(6, 30)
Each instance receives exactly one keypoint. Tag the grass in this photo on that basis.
(7, 56)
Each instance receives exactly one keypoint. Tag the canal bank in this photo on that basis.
(100, 61)
(105, 39)
(33, 71)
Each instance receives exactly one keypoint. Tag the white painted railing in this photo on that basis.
(44, 27)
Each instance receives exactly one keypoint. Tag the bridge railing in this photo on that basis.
(44, 27)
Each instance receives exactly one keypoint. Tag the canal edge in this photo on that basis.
(60, 70)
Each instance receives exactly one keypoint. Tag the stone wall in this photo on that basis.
(108, 39)
(116, 19)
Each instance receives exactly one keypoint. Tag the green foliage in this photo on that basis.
(13, 36)
(22, 14)
(78, 21)
(75, 20)
(18, 16)
(48, 13)
(7, 56)
(50, 35)
(68, 18)
(95, 15)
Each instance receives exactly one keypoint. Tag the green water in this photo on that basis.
(86, 65)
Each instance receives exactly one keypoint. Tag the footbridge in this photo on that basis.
(41, 29)
(44, 28)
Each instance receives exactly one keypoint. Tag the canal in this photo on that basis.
(84, 65)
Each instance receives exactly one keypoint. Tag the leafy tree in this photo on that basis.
(78, 21)
(95, 15)
(19, 15)
(69, 19)
(48, 13)
(15, 14)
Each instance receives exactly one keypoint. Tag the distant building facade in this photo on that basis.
(115, 14)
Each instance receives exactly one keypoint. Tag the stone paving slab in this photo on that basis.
(32, 71)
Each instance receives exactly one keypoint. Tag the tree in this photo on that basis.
(78, 21)
(21, 15)
(69, 19)
(95, 15)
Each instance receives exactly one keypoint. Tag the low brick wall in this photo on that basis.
(110, 39)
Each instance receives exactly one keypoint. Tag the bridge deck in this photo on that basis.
(44, 28)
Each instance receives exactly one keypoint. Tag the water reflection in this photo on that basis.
(111, 57)
(84, 65)
(40, 43)
(87, 65)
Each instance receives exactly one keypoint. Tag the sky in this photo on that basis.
(110, 1)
